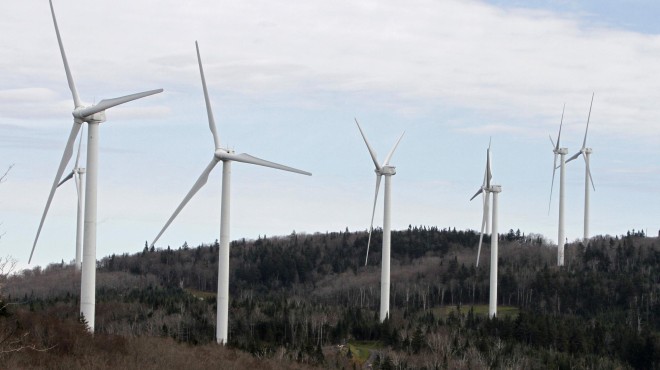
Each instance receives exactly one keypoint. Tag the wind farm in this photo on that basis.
(287, 275)
(93, 115)
(387, 170)
(487, 189)
(585, 153)
(226, 156)
(561, 152)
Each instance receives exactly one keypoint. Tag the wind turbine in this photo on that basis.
(562, 153)
(77, 174)
(485, 200)
(486, 189)
(388, 171)
(93, 115)
(585, 152)
(227, 156)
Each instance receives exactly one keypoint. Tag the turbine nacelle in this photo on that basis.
(78, 114)
(560, 151)
(386, 171)
(494, 189)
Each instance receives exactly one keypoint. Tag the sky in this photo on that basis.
(286, 81)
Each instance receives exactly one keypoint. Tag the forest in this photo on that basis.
(307, 301)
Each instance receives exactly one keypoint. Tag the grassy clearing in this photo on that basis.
(199, 294)
(361, 350)
(479, 310)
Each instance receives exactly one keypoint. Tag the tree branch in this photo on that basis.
(3, 178)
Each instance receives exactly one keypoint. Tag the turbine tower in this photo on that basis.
(585, 152)
(561, 238)
(226, 156)
(388, 171)
(486, 189)
(93, 115)
(494, 253)
(77, 174)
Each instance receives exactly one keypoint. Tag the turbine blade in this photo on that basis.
(487, 208)
(246, 158)
(589, 172)
(560, 124)
(477, 193)
(552, 184)
(82, 130)
(373, 212)
(485, 182)
(67, 178)
(76, 179)
(552, 141)
(109, 103)
(66, 157)
(69, 77)
(209, 112)
(371, 151)
(389, 156)
(201, 181)
(489, 174)
(584, 142)
(574, 156)
(481, 234)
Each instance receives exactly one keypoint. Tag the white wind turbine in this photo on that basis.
(227, 156)
(585, 152)
(562, 153)
(93, 115)
(486, 189)
(382, 170)
(77, 174)
(486, 200)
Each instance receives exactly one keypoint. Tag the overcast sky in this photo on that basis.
(286, 80)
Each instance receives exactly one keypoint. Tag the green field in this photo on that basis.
(361, 350)
(199, 294)
(480, 310)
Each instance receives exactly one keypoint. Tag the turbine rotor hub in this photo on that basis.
(387, 170)
(221, 154)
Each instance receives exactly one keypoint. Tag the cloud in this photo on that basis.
(32, 102)
(509, 63)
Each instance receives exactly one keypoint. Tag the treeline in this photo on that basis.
(285, 261)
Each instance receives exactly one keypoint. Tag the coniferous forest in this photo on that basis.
(307, 301)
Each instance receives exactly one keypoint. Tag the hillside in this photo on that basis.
(307, 300)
